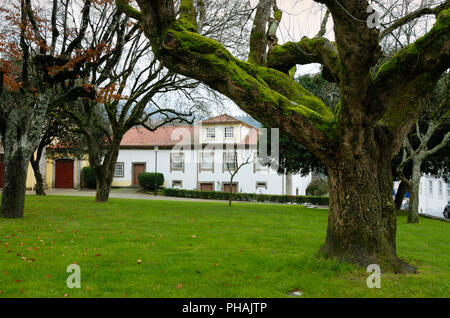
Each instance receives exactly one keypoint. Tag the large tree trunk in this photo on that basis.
(401, 191)
(362, 219)
(413, 211)
(15, 178)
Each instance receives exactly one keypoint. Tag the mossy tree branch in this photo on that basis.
(306, 51)
(126, 8)
(411, 74)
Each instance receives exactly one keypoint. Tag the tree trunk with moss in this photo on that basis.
(357, 141)
(362, 218)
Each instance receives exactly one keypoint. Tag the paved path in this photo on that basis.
(130, 193)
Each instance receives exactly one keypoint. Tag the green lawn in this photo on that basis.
(191, 249)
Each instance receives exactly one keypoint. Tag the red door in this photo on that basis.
(64, 173)
(137, 169)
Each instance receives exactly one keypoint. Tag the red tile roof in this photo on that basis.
(163, 136)
(224, 118)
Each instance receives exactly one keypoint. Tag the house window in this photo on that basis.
(430, 188)
(177, 184)
(441, 189)
(176, 162)
(261, 185)
(229, 132)
(229, 162)
(118, 170)
(210, 132)
(207, 161)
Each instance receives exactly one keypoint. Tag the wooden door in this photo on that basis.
(64, 173)
(206, 187)
(137, 169)
(226, 187)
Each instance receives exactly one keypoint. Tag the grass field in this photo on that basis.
(140, 248)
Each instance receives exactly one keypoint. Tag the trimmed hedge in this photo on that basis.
(88, 178)
(251, 197)
(147, 180)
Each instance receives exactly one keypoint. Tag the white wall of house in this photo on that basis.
(192, 173)
(215, 138)
(434, 195)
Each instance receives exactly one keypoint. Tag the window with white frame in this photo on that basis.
(119, 170)
(177, 184)
(229, 161)
(229, 132)
(430, 188)
(261, 185)
(176, 161)
(207, 161)
(210, 132)
(441, 189)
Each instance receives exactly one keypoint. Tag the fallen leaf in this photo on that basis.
(98, 254)
(139, 261)
(65, 295)
(179, 286)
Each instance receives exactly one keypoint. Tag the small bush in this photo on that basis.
(147, 180)
(250, 197)
(88, 177)
(317, 187)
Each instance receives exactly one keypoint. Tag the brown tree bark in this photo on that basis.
(362, 218)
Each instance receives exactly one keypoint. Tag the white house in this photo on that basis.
(201, 157)
(434, 195)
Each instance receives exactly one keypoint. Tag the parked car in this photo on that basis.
(447, 211)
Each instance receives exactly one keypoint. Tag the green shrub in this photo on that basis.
(147, 180)
(250, 197)
(317, 187)
(88, 178)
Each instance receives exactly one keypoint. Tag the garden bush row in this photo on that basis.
(251, 197)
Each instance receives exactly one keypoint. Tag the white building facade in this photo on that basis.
(434, 195)
(202, 157)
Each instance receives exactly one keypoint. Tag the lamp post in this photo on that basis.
(156, 168)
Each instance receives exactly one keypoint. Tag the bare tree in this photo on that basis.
(433, 124)
(233, 169)
(39, 66)
(126, 80)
